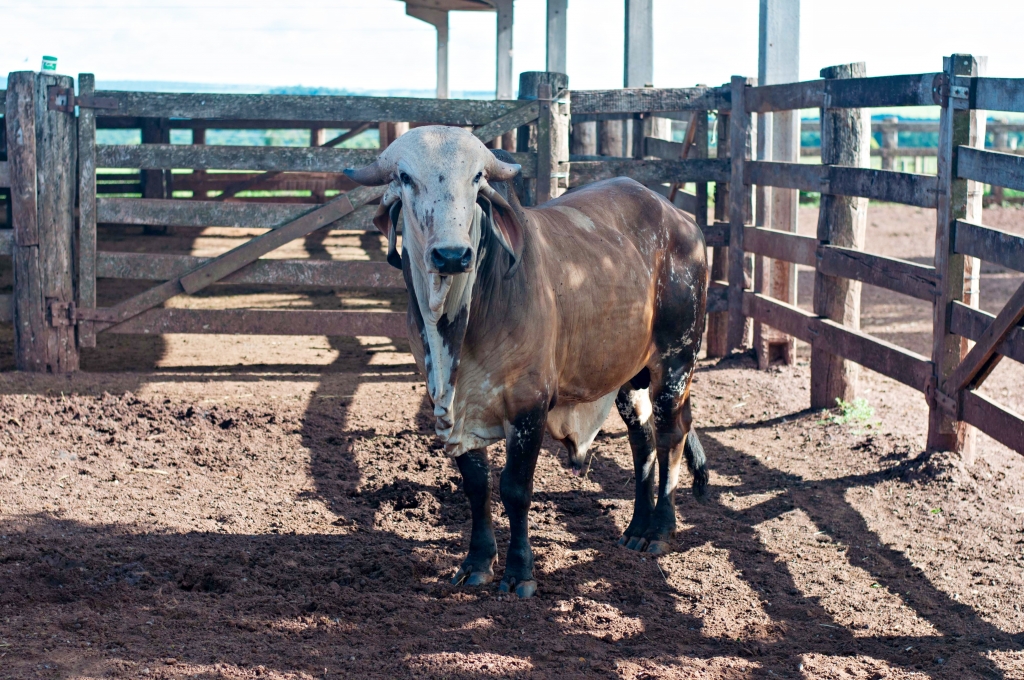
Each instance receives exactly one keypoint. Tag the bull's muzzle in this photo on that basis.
(451, 260)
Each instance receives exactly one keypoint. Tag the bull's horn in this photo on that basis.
(372, 175)
(500, 170)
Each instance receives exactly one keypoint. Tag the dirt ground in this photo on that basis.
(277, 507)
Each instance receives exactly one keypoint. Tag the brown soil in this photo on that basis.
(235, 507)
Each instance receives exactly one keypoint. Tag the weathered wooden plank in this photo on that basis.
(718, 323)
(266, 158)
(787, 96)
(880, 356)
(314, 273)
(991, 167)
(880, 185)
(898, 275)
(998, 94)
(6, 309)
(20, 122)
(781, 245)
(6, 242)
(717, 236)
(314, 109)
(902, 90)
(787, 318)
(983, 357)
(128, 123)
(87, 209)
(802, 176)
(884, 185)
(272, 158)
(265, 322)
(649, 172)
(971, 323)
(191, 213)
(990, 245)
(649, 100)
(5, 174)
(996, 421)
(663, 148)
(524, 115)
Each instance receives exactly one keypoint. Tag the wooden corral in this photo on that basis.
(48, 145)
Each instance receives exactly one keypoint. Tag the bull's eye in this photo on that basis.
(405, 178)
(479, 175)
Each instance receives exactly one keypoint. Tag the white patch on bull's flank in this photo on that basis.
(580, 422)
(577, 218)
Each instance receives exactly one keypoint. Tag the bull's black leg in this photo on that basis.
(478, 567)
(522, 447)
(642, 442)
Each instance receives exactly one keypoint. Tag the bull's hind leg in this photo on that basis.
(634, 406)
(676, 439)
(478, 567)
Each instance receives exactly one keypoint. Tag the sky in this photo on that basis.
(373, 45)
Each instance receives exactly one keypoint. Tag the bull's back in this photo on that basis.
(604, 249)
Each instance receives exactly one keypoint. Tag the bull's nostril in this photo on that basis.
(451, 260)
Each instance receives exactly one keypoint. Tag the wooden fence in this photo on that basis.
(56, 313)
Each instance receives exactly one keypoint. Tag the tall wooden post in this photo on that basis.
(778, 139)
(740, 140)
(718, 322)
(42, 147)
(504, 56)
(198, 176)
(155, 183)
(958, 199)
(553, 122)
(438, 18)
(86, 210)
(584, 138)
(317, 137)
(556, 35)
(842, 220)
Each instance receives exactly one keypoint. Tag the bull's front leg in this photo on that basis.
(478, 567)
(522, 447)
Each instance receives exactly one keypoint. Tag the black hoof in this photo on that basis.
(524, 589)
(474, 575)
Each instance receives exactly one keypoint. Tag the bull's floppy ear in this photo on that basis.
(504, 223)
(386, 221)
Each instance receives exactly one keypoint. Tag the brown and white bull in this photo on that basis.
(523, 320)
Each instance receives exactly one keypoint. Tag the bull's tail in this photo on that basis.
(696, 461)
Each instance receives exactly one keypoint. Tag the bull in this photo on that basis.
(526, 320)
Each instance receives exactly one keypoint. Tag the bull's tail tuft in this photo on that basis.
(697, 462)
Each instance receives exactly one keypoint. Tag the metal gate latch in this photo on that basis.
(63, 99)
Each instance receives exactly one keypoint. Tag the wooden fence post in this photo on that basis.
(41, 153)
(842, 221)
(554, 117)
(890, 142)
(584, 138)
(718, 322)
(740, 139)
(155, 183)
(1000, 142)
(86, 210)
(958, 199)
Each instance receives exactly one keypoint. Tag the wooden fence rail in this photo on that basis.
(949, 378)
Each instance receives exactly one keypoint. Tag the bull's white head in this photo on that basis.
(437, 180)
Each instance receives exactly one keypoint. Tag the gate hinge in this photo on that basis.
(62, 313)
(63, 99)
(948, 404)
